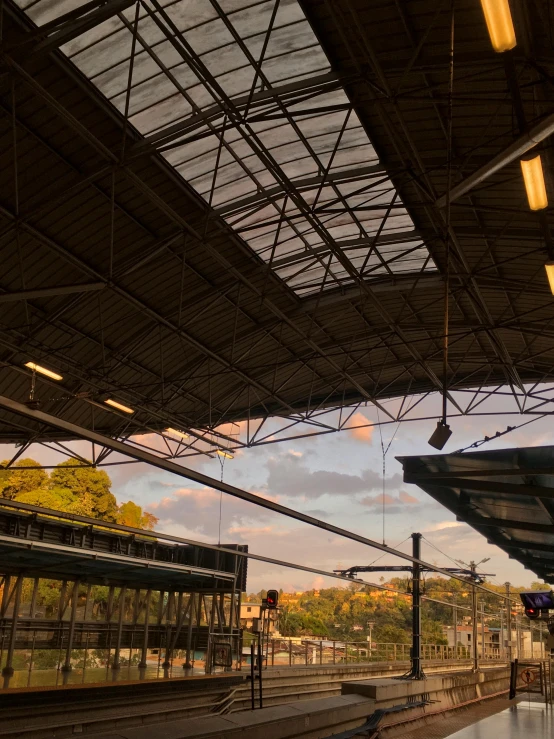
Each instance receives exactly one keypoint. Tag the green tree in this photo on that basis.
(392, 635)
(14, 482)
(91, 486)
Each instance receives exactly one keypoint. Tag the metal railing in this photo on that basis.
(282, 652)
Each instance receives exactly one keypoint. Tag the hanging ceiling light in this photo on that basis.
(549, 267)
(440, 435)
(499, 24)
(119, 406)
(223, 453)
(175, 432)
(533, 177)
(43, 371)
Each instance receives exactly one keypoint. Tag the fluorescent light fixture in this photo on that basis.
(119, 406)
(175, 432)
(222, 453)
(499, 24)
(43, 371)
(549, 267)
(533, 178)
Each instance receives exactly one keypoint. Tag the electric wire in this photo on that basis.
(498, 434)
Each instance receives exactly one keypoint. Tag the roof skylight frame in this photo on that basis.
(230, 138)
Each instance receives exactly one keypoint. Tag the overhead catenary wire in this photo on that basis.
(498, 434)
(48, 513)
(199, 477)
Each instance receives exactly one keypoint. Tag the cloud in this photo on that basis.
(248, 533)
(363, 432)
(295, 453)
(393, 504)
(441, 525)
(407, 498)
(295, 479)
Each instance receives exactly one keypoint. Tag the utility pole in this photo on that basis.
(455, 624)
(508, 624)
(416, 672)
(474, 637)
(482, 630)
(501, 647)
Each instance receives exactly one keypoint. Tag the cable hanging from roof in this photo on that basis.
(442, 433)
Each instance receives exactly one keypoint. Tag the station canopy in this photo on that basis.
(224, 210)
(507, 495)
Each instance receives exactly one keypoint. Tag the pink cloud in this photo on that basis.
(201, 498)
(407, 498)
(359, 429)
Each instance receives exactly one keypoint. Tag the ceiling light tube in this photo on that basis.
(119, 406)
(223, 453)
(175, 432)
(549, 267)
(43, 371)
(499, 24)
(533, 178)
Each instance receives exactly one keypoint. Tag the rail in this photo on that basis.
(289, 652)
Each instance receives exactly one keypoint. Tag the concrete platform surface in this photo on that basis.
(522, 721)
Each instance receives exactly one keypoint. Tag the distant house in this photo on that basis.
(251, 615)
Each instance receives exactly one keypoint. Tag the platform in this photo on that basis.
(495, 718)
(521, 721)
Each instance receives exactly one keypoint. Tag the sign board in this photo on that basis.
(528, 676)
(222, 656)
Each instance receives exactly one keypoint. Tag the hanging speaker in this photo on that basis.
(440, 435)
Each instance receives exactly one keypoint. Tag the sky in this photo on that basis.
(335, 477)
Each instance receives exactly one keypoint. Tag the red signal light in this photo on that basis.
(272, 599)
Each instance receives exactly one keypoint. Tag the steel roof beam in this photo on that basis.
(483, 486)
(191, 474)
(48, 292)
(516, 150)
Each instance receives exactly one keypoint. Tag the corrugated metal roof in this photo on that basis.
(179, 316)
(507, 495)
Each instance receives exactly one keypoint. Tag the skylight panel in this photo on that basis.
(242, 102)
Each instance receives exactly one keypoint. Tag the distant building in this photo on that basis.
(492, 636)
(251, 615)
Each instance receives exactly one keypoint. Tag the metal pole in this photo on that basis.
(122, 593)
(260, 671)
(483, 655)
(33, 606)
(474, 630)
(252, 675)
(416, 672)
(508, 623)
(66, 667)
(501, 648)
(8, 669)
(166, 664)
(455, 620)
(142, 664)
(518, 638)
(187, 664)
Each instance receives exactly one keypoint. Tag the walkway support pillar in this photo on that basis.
(142, 664)
(122, 594)
(66, 667)
(8, 668)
